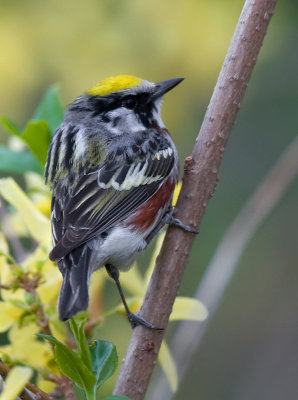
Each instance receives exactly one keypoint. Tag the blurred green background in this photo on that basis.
(251, 348)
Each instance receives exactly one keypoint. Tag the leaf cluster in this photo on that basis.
(36, 136)
(91, 365)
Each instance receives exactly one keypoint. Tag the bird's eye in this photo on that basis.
(129, 102)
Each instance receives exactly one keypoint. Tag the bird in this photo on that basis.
(112, 167)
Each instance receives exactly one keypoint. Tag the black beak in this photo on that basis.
(163, 87)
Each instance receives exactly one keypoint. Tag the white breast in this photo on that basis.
(120, 248)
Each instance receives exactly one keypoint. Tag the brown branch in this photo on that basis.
(199, 182)
(64, 386)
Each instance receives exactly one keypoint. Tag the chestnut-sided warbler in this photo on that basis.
(112, 167)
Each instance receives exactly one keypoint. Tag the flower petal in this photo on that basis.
(27, 349)
(9, 315)
(155, 253)
(5, 268)
(37, 224)
(45, 385)
(5, 271)
(3, 244)
(176, 193)
(168, 365)
(15, 382)
(133, 281)
(49, 289)
(188, 308)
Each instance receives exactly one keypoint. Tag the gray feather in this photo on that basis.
(73, 296)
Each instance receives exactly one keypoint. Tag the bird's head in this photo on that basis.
(125, 103)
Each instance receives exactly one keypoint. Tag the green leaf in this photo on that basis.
(10, 126)
(38, 137)
(117, 397)
(50, 109)
(38, 132)
(83, 348)
(71, 365)
(18, 162)
(18, 303)
(104, 360)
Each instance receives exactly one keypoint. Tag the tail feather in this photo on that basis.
(73, 296)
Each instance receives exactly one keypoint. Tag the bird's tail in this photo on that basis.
(73, 296)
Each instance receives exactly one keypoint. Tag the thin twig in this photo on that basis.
(64, 386)
(199, 182)
(226, 258)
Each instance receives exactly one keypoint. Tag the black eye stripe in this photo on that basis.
(138, 102)
(105, 118)
(129, 102)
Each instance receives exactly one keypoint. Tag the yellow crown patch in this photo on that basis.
(113, 84)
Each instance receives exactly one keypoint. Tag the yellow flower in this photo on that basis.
(9, 314)
(45, 385)
(39, 193)
(176, 193)
(25, 347)
(5, 271)
(20, 303)
(37, 224)
(50, 276)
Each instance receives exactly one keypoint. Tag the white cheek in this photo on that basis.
(126, 121)
(133, 123)
(157, 113)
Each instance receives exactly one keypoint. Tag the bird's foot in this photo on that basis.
(135, 319)
(170, 220)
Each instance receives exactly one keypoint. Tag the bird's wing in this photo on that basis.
(102, 198)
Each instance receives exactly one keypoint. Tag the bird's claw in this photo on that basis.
(181, 225)
(135, 319)
(170, 220)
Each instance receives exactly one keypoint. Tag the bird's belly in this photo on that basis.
(120, 248)
(124, 242)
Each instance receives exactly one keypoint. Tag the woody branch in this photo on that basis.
(199, 182)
